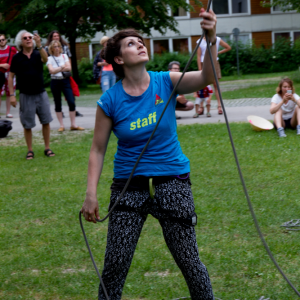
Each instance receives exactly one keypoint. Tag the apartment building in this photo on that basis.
(257, 24)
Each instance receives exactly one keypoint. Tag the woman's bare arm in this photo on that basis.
(197, 80)
(103, 127)
(225, 46)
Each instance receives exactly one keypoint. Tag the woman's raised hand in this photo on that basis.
(209, 23)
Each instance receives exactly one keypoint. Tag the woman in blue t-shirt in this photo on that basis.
(131, 109)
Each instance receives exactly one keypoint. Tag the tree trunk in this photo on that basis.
(72, 41)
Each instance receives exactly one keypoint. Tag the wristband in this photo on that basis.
(212, 44)
(39, 48)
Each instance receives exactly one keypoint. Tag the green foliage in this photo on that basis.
(85, 71)
(296, 76)
(81, 18)
(161, 62)
(47, 76)
(286, 5)
(255, 60)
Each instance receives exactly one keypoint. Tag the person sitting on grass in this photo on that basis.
(285, 105)
(201, 96)
(182, 103)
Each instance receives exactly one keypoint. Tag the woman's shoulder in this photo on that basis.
(276, 97)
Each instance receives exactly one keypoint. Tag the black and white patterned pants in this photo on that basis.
(172, 205)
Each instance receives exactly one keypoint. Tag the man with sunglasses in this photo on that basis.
(27, 65)
(6, 55)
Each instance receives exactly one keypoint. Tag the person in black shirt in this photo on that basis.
(27, 65)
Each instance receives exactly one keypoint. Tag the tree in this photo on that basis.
(83, 18)
(285, 5)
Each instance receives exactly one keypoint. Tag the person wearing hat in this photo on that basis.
(108, 77)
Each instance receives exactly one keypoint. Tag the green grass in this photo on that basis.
(43, 255)
(255, 91)
(257, 76)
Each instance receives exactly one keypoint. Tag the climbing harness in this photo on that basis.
(152, 189)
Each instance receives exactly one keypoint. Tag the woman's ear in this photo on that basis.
(118, 60)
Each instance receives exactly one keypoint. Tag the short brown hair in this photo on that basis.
(113, 49)
(3, 35)
(282, 81)
(52, 44)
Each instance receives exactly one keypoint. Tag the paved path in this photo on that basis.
(237, 111)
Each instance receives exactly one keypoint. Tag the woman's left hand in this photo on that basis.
(209, 23)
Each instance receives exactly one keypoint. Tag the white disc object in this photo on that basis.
(259, 124)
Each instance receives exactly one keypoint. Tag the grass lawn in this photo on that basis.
(257, 76)
(255, 91)
(43, 255)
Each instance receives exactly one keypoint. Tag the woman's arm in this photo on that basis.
(54, 70)
(275, 107)
(199, 58)
(103, 127)
(67, 66)
(197, 80)
(225, 46)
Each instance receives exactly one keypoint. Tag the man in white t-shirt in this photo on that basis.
(285, 105)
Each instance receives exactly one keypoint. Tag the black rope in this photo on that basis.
(236, 159)
(244, 185)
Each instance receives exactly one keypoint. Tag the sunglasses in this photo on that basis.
(27, 38)
(2, 40)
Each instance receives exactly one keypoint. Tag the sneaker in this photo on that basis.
(9, 116)
(208, 114)
(281, 132)
(298, 129)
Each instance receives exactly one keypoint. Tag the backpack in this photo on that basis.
(5, 127)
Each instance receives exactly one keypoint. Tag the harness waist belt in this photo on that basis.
(138, 183)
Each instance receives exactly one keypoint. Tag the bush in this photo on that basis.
(257, 60)
(47, 76)
(161, 62)
(85, 71)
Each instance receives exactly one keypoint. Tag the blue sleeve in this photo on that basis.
(167, 80)
(105, 102)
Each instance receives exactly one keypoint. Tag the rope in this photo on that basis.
(290, 224)
(236, 159)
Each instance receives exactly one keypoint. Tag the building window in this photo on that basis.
(239, 6)
(180, 45)
(221, 7)
(95, 49)
(160, 46)
(230, 7)
(279, 35)
(179, 12)
(280, 8)
(296, 35)
(288, 35)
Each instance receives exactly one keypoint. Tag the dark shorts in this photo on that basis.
(180, 105)
(34, 104)
(287, 124)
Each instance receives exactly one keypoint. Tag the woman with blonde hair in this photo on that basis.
(60, 69)
(285, 107)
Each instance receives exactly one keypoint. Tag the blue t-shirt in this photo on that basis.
(134, 118)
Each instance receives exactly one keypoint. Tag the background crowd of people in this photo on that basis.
(27, 65)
